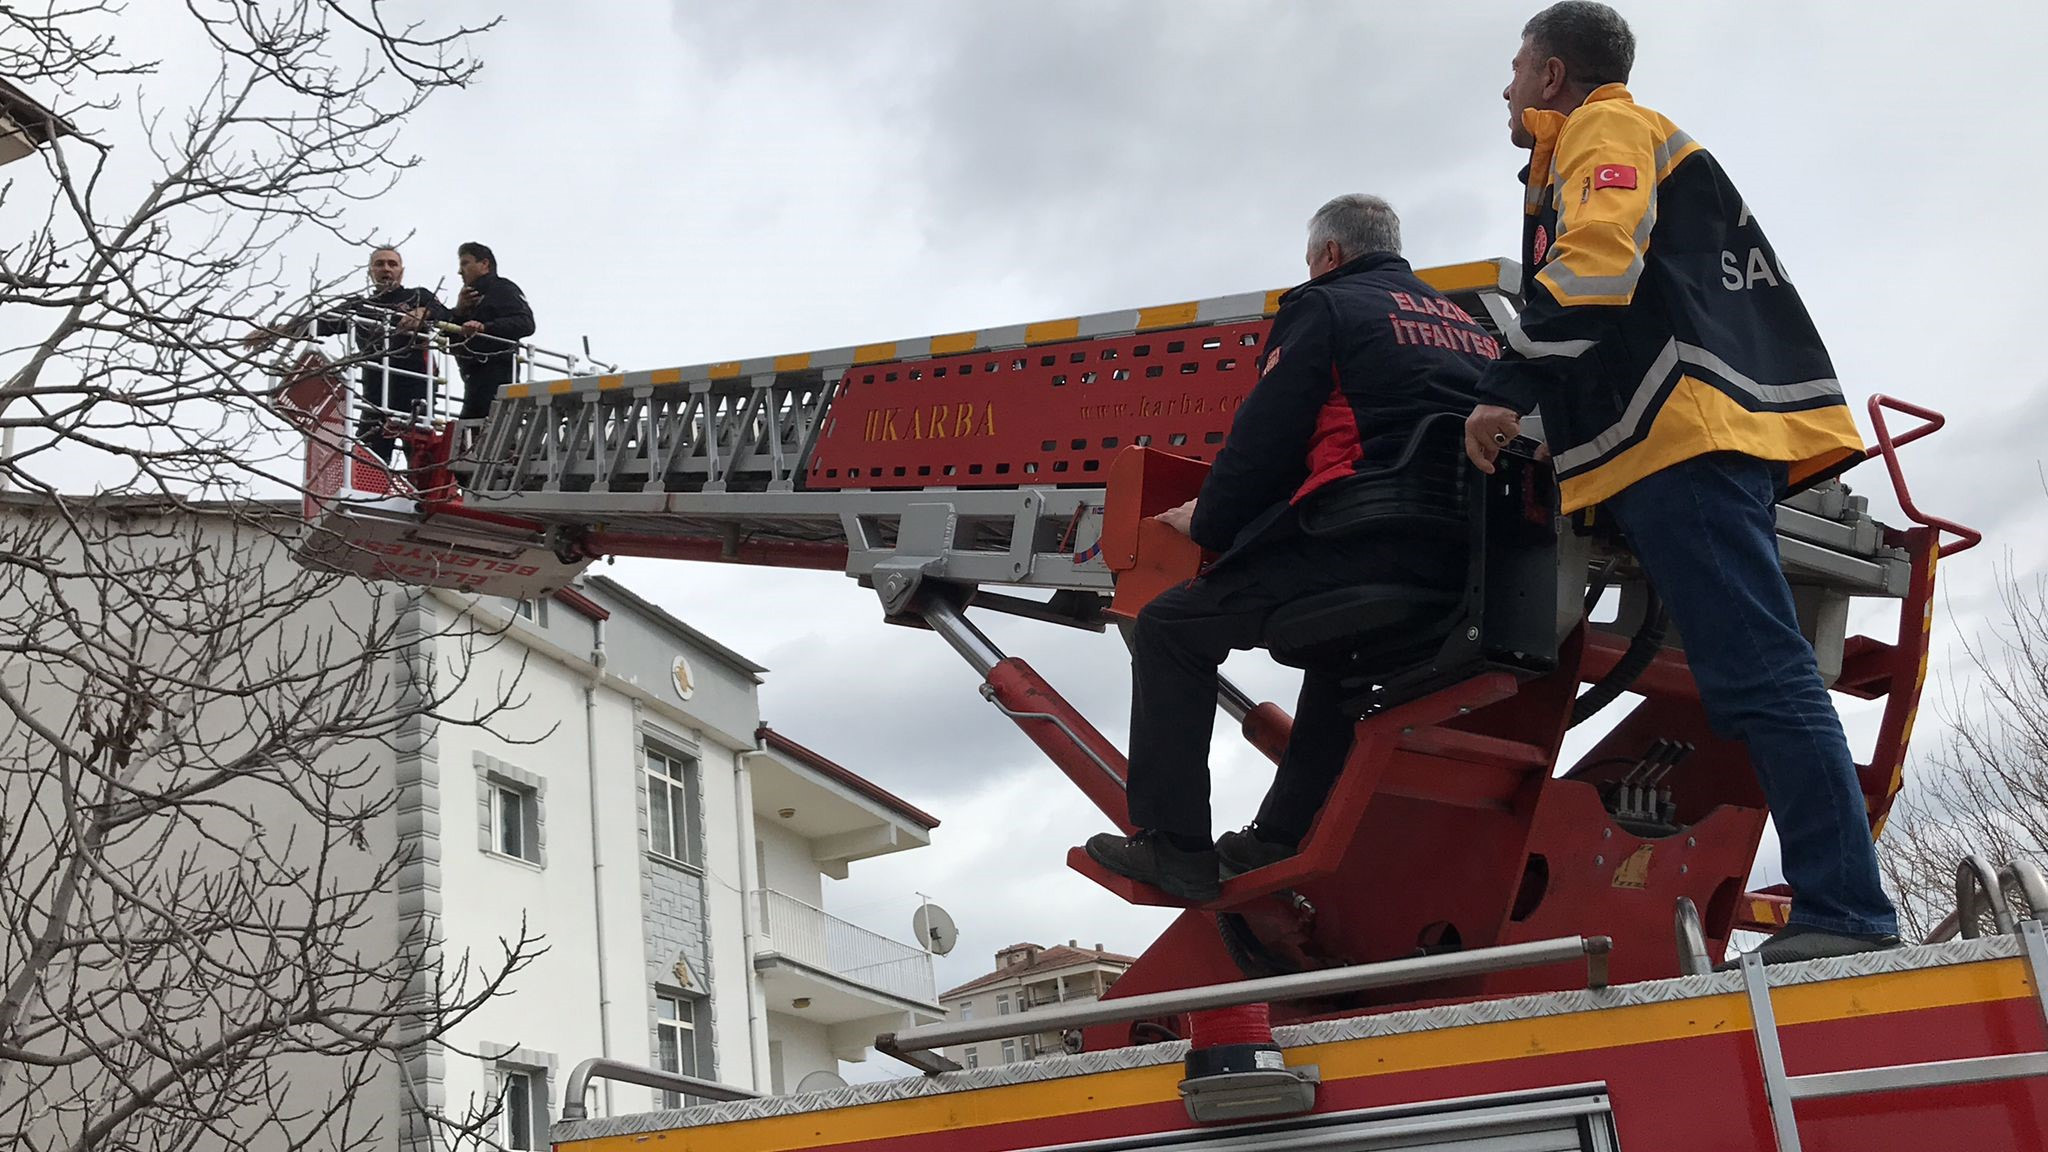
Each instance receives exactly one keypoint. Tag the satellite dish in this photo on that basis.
(820, 1081)
(934, 928)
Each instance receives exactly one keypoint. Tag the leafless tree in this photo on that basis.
(203, 857)
(204, 936)
(158, 232)
(1984, 788)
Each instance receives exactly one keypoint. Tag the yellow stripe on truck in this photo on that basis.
(1880, 995)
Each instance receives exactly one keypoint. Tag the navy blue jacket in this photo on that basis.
(1355, 359)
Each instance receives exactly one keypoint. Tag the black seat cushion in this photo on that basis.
(1394, 619)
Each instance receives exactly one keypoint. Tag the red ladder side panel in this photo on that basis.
(1048, 414)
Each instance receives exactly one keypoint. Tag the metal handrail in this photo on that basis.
(600, 1068)
(1782, 1090)
(913, 1046)
(1978, 885)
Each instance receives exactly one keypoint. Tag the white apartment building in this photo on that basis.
(1027, 977)
(674, 850)
(631, 808)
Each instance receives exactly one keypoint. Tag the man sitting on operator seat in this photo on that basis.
(1357, 358)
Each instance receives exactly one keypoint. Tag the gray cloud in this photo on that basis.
(700, 181)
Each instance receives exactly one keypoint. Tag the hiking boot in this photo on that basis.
(1149, 859)
(1251, 849)
(1796, 944)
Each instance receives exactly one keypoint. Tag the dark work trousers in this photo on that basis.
(401, 395)
(1706, 531)
(1183, 636)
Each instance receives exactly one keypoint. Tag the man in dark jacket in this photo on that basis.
(387, 325)
(1683, 387)
(495, 317)
(1357, 357)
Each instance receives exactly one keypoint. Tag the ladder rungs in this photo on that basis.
(1898, 1077)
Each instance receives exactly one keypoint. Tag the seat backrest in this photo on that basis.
(1508, 616)
(1424, 488)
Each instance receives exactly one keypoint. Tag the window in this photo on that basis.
(512, 814)
(522, 1108)
(1009, 1051)
(974, 1057)
(535, 611)
(672, 828)
(967, 1010)
(679, 1044)
(1002, 1003)
(511, 806)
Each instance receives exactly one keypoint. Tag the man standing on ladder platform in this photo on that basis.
(494, 317)
(1684, 388)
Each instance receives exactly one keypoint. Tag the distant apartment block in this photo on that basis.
(1029, 977)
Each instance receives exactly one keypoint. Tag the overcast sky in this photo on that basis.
(695, 182)
(685, 182)
(691, 182)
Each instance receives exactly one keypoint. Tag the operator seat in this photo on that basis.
(1388, 643)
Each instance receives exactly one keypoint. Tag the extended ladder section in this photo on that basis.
(978, 456)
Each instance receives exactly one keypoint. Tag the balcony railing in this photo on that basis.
(817, 939)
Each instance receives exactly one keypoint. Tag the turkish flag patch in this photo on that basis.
(1614, 176)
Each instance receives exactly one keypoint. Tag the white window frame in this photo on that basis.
(967, 1010)
(973, 1057)
(676, 1022)
(534, 1114)
(1002, 1003)
(505, 841)
(675, 791)
(1009, 1051)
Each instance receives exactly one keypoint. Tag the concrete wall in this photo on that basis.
(183, 569)
(789, 867)
(656, 911)
(613, 917)
(804, 1048)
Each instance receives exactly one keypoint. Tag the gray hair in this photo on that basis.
(1592, 39)
(1358, 223)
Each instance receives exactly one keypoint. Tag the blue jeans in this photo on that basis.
(1705, 532)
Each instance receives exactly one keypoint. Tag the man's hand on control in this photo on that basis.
(473, 326)
(1488, 430)
(1179, 519)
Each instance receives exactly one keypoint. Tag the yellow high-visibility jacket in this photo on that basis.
(1657, 323)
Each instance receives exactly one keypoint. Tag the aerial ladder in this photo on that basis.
(1461, 878)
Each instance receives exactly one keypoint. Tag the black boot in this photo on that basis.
(1251, 849)
(1149, 858)
(1794, 944)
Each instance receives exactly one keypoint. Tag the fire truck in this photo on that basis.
(1481, 945)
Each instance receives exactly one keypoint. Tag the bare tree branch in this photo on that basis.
(200, 839)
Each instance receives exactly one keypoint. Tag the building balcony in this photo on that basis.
(816, 967)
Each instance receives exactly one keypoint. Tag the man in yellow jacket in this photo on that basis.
(1683, 386)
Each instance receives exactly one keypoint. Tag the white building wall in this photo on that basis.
(790, 868)
(731, 966)
(804, 1048)
(554, 1007)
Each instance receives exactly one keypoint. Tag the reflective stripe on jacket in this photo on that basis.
(1657, 323)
